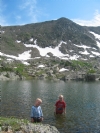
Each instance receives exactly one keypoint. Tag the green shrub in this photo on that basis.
(20, 69)
(82, 64)
(2, 69)
(90, 71)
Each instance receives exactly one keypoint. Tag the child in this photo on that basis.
(60, 106)
(36, 111)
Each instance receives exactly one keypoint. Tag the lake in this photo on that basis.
(82, 98)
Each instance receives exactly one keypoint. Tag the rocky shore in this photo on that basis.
(52, 69)
(65, 76)
(13, 125)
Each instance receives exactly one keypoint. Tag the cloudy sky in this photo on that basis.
(20, 12)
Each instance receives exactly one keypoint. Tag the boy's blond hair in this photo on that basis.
(38, 99)
(61, 96)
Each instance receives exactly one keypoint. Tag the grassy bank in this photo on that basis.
(12, 123)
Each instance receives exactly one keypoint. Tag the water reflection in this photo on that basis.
(83, 103)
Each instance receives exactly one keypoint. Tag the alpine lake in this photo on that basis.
(82, 98)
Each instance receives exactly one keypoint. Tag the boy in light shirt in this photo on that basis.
(36, 111)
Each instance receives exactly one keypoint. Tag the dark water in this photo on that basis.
(83, 103)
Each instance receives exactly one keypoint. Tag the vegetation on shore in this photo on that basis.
(13, 123)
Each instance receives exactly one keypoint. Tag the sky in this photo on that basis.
(21, 12)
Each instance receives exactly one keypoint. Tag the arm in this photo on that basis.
(55, 107)
(64, 109)
(41, 114)
(41, 118)
(32, 120)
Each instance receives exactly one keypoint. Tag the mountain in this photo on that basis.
(54, 45)
(62, 38)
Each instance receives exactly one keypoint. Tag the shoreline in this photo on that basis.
(15, 125)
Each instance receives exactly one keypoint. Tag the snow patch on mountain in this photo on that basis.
(63, 69)
(18, 41)
(25, 56)
(97, 36)
(82, 46)
(56, 52)
(31, 40)
(2, 31)
(85, 52)
(74, 57)
(22, 57)
(43, 51)
(96, 53)
(35, 41)
(41, 66)
(98, 44)
(25, 63)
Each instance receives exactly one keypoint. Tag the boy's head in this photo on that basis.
(38, 102)
(61, 97)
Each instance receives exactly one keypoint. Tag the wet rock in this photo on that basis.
(31, 128)
(39, 128)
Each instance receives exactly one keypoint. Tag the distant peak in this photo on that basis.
(62, 18)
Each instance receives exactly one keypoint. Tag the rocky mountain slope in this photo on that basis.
(57, 45)
(67, 38)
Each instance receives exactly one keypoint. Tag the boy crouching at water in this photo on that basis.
(36, 111)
